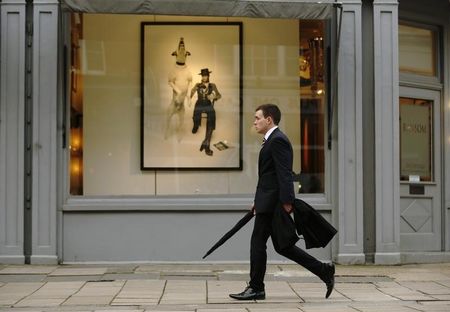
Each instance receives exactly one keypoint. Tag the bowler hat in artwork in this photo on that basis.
(205, 72)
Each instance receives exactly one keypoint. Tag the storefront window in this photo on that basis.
(417, 50)
(119, 59)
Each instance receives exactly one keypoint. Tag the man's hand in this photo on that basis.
(288, 208)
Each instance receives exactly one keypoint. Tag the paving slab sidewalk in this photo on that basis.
(205, 288)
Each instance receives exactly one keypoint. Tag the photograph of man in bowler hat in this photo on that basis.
(275, 190)
(207, 94)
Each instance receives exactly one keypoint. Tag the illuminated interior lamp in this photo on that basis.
(75, 139)
(320, 92)
(75, 167)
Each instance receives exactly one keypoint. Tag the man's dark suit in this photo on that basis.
(275, 187)
(275, 180)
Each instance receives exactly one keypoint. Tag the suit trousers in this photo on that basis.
(258, 253)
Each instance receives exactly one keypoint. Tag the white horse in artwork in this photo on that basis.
(180, 80)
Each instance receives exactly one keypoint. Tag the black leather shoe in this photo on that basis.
(329, 280)
(249, 294)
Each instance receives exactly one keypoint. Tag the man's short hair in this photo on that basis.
(270, 110)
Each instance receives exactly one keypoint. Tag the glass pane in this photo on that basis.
(76, 107)
(417, 50)
(416, 133)
(106, 104)
(312, 106)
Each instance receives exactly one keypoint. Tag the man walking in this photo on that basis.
(275, 190)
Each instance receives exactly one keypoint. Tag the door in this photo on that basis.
(420, 170)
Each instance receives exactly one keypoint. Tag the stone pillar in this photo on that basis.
(386, 86)
(12, 115)
(44, 69)
(350, 152)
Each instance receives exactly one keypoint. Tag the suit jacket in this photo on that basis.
(283, 229)
(275, 179)
(316, 231)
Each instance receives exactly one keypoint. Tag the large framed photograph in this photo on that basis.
(191, 95)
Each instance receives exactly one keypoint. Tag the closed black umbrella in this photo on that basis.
(231, 232)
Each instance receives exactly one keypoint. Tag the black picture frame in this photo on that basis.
(168, 141)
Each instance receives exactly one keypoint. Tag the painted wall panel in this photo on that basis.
(386, 133)
(12, 99)
(350, 136)
(160, 236)
(45, 47)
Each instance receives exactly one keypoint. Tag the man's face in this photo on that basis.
(262, 124)
(205, 78)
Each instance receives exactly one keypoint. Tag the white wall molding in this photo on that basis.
(12, 107)
(387, 179)
(350, 151)
(45, 55)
